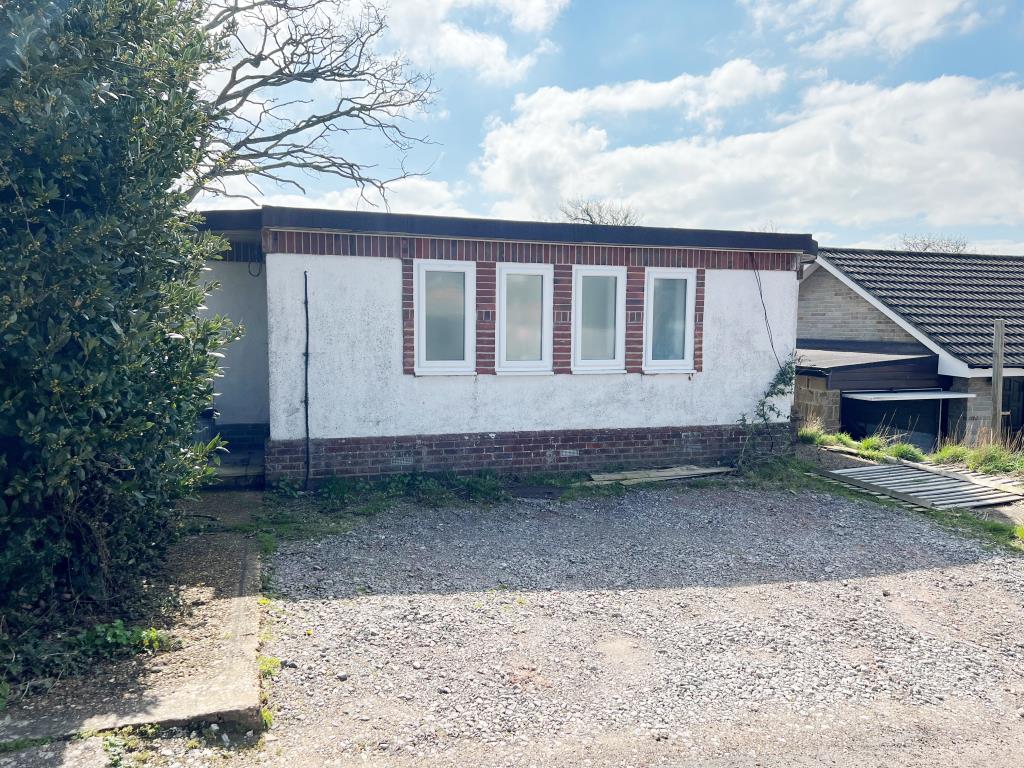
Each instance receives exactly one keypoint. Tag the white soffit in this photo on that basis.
(885, 397)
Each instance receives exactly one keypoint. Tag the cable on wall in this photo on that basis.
(764, 308)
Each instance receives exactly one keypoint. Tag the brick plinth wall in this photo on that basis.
(568, 450)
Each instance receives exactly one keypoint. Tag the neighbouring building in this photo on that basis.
(901, 342)
(439, 343)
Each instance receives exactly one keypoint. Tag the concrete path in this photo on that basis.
(213, 677)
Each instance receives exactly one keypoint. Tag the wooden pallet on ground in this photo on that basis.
(656, 475)
(928, 486)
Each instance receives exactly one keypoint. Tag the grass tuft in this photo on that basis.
(991, 459)
(905, 451)
(995, 459)
(951, 453)
(872, 443)
(810, 433)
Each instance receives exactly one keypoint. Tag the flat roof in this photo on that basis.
(885, 397)
(415, 225)
(828, 359)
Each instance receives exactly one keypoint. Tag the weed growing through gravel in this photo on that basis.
(269, 666)
(17, 745)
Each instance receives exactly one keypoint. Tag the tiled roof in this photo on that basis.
(952, 298)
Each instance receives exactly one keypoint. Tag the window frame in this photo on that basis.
(618, 363)
(544, 365)
(424, 367)
(686, 365)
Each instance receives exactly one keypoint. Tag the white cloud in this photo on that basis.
(545, 152)
(426, 32)
(893, 241)
(698, 96)
(412, 195)
(999, 247)
(527, 15)
(831, 29)
(948, 152)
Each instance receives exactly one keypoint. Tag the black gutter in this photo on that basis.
(414, 225)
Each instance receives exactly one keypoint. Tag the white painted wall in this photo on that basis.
(243, 392)
(358, 389)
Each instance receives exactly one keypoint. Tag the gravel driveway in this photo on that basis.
(713, 626)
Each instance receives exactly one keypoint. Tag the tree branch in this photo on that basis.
(296, 76)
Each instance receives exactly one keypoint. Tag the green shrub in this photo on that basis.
(951, 453)
(104, 361)
(826, 439)
(905, 451)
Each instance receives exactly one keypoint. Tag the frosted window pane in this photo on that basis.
(524, 317)
(668, 323)
(597, 316)
(444, 306)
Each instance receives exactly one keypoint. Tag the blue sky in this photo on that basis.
(856, 120)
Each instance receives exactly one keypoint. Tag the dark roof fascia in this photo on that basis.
(232, 221)
(415, 225)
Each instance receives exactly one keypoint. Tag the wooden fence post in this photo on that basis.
(998, 351)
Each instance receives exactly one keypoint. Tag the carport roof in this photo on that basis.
(827, 359)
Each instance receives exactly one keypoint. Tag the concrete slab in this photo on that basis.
(213, 677)
(79, 753)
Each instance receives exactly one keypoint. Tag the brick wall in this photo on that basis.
(567, 450)
(830, 310)
(813, 401)
(970, 420)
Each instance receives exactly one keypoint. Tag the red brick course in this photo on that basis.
(562, 255)
(509, 452)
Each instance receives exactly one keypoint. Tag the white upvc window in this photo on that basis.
(523, 329)
(669, 303)
(444, 306)
(598, 319)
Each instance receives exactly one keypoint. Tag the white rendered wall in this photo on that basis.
(358, 389)
(243, 392)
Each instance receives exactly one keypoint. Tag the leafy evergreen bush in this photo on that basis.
(104, 364)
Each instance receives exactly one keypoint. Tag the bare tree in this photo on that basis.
(932, 243)
(582, 210)
(296, 77)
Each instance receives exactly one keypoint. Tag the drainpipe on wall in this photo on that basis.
(305, 373)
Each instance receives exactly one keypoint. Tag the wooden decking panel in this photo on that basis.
(927, 487)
